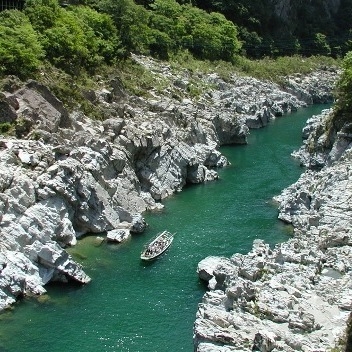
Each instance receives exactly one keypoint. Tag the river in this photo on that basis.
(150, 307)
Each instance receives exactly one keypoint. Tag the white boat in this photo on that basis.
(157, 246)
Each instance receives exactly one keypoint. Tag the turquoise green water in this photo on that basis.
(134, 306)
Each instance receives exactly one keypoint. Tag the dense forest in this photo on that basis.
(277, 27)
(83, 35)
(86, 34)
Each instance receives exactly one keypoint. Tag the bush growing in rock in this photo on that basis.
(345, 88)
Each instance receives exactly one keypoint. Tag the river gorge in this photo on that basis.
(133, 306)
(80, 197)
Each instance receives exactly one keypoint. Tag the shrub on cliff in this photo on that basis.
(20, 50)
(344, 86)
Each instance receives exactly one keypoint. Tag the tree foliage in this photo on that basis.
(74, 38)
(42, 13)
(20, 50)
(89, 33)
(345, 87)
(103, 32)
(273, 28)
(163, 27)
(131, 21)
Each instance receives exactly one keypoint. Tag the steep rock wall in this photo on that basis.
(287, 10)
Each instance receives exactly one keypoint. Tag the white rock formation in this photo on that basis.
(67, 175)
(297, 296)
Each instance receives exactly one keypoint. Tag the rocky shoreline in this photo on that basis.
(296, 296)
(65, 175)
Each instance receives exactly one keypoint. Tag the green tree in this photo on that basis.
(213, 37)
(160, 44)
(344, 86)
(42, 13)
(69, 44)
(207, 36)
(271, 28)
(105, 35)
(161, 27)
(321, 46)
(20, 50)
(167, 8)
(132, 23)
(75, 38)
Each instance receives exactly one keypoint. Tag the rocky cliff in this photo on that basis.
(288, 10)
(296, 296)
(65, 175)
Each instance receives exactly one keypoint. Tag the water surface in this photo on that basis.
(150, 307)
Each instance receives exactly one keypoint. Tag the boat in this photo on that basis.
(157, 246)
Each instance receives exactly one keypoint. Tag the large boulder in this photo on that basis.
(7, 110)
(40, 108)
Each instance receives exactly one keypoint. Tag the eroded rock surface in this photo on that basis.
(296, 296)
(66, 175)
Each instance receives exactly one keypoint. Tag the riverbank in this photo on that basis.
(130, 305)
(297, 296)
(66, 175)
